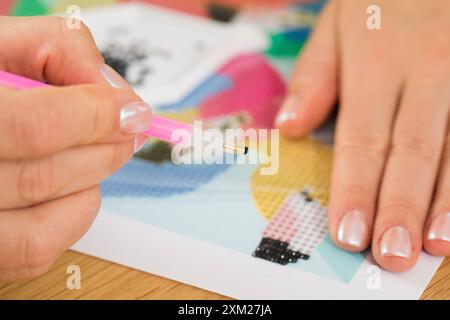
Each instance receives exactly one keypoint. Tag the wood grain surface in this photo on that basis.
(106, 280)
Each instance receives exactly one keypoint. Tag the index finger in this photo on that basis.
(42, 121)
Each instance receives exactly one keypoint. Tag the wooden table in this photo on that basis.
(105, 280)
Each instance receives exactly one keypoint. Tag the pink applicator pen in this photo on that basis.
(160, 127)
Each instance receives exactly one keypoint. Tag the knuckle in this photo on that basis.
(356, 191)
(401, 206)
(416, 145)
(37, 180)
(39, 249)
(369, 143)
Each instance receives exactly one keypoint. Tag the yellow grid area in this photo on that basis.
(304, 164)
(186, 115)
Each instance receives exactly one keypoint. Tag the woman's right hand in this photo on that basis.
(57, 143)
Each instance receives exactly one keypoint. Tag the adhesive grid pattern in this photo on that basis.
(300, 221)
(245, 84)
(140, 178)
(303, 165)
(257, 89)
(294, 201)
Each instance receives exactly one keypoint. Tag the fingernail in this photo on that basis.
(353, 229)
(139, 143)
(135, 117)
(396, 242)
(288, 110)
(112, 77)
(440, 228)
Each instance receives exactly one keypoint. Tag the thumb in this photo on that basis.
(313, 87)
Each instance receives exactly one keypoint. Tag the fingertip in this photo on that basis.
(438, 248)
(302, 113)
(290, 127)
(349, 247)
(289, 119)
(351, 231)
(395, 249)
(135, 117)
(394, 264)
(313, 87)
(436, 238)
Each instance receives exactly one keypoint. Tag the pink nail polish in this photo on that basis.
(353, 229)
(440, 228)
(396, 242)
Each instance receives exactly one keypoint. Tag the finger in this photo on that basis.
(28, 182)
(410, 175)
(361, 144)
(57, 51)
(34, 237)
(313, 88)
(437, 232)
(39, 122)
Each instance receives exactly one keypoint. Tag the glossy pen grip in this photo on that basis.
(161, 128)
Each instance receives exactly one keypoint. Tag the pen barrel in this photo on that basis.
(167, 129)
(18, 82)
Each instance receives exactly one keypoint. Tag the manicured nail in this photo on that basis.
(112, 77)
(440, 228)
(288, 110)
(139, 143)
(396, 242)
(135, 117)
(353, 229)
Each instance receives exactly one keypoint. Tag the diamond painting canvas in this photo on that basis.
(224, 227)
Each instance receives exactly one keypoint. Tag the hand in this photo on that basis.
(391, 171)
(57, 143)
